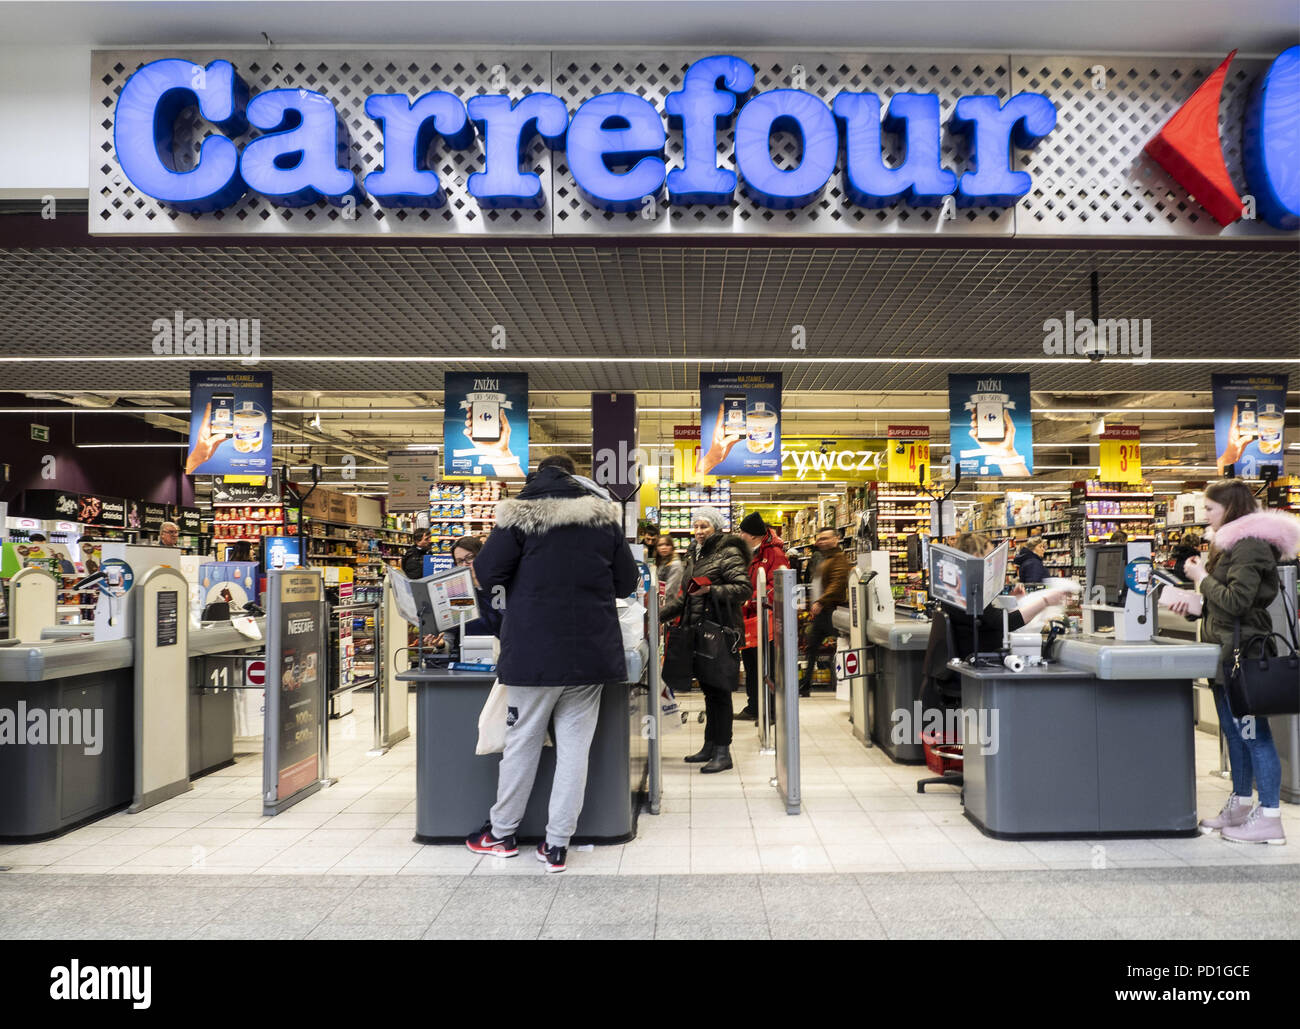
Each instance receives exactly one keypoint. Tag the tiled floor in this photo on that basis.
(868, 858)
(861, 815)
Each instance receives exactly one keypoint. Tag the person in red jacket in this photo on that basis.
(768, 553)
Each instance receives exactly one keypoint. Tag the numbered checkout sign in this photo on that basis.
(1121, 454)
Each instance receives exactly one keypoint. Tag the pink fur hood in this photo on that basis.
(1275, 527)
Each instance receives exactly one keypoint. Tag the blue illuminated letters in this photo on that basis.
(698, 110)
(614, 143)
(142, 132)
(303, 151)
(507, 129)
(410, 127)
(1272, 141)
(868, 181)
(992, 127)
(612, 131)
(796, 112)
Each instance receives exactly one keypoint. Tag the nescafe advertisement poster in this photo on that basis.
(299, 682)
(230, 423)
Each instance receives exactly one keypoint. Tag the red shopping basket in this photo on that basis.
(942, 752)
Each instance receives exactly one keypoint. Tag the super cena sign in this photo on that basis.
(614, 143)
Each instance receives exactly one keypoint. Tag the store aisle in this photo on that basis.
(861, 815)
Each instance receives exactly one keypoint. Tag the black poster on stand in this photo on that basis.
(295, 707)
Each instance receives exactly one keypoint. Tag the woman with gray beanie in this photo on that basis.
(715, 585)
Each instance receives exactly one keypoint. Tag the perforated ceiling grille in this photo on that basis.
(737, 304)
(1090, 176)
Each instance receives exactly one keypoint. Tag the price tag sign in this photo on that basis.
(1121, 454)
(909, 454)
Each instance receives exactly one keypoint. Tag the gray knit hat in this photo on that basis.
(710, 514)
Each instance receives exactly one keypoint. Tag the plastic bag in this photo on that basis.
(670, 712)
(631, 620)
(492, 722)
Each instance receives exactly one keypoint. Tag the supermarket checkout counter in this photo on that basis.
(72, 701)
(455, 788)
(893, 646)
(893, 683)
(1099, 742)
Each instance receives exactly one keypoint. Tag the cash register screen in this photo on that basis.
(1109, 572)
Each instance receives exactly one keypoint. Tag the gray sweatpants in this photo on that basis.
(575, 710)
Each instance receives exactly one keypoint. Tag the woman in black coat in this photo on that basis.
(723, 560)
(1030, 560)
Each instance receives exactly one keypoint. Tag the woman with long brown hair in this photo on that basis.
(1237, 583)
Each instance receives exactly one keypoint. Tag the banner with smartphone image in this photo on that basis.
(1249, 422)
(230, 423)
(990, 428)
(740, 423)
(485, 426)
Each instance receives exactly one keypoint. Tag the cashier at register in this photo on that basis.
(488, 622)
(990, 621)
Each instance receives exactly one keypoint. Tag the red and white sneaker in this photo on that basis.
(483, 842)
(553, 856)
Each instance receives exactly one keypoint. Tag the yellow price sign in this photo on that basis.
(909, 454)
(1121, 454)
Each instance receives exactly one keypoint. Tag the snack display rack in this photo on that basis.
(901, 510)
(678, 502)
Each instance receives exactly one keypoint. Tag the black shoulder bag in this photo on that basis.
(717, 647)
(1260, 682)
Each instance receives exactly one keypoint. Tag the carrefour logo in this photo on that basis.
(1188, 146)
(614, 143)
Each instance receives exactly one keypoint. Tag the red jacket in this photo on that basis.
(770, 556)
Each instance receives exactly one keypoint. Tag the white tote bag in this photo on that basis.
(492, 722)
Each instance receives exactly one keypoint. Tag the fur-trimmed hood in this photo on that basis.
(550, 499)
(1273, 527)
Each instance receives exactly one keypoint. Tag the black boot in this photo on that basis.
(720, 761)
(704, 754)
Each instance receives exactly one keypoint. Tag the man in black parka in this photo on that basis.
(558, 560)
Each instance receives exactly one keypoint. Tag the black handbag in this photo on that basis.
(679, 653)
(1259, 682)
(717, 648)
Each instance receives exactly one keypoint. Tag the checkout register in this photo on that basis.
(1081, 734)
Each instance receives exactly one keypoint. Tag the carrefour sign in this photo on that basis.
(614, 143)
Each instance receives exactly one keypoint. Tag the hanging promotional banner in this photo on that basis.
(1121, 454)
(740, 423)
(989, 424)
(1249, 422)
(909, 454)
(230, 423)
(409, 477)
(614, 444)
(485, 427)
